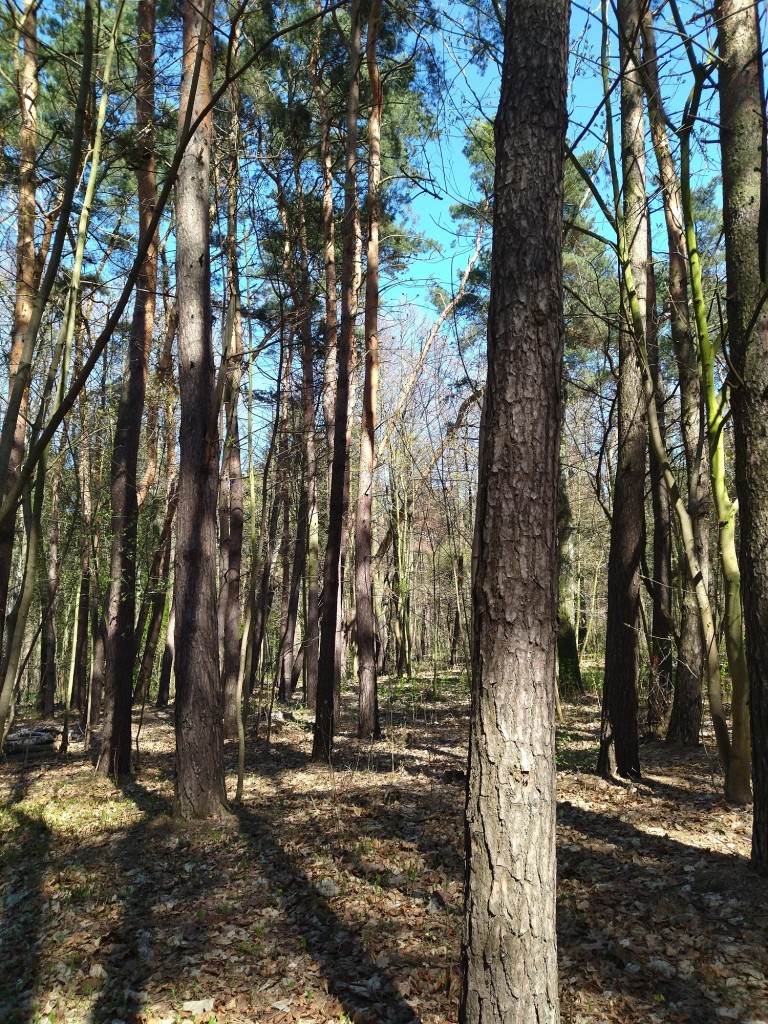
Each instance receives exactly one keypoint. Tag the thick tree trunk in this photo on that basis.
(619, 744)
(368, 708)
(322, 746)
(509, 954)
(200, 791)
(115, 758)
(744, 145)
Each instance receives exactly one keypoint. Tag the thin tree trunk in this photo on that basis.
(156, 596)
(662, 626)
(166, 668)
(685, 721)
(569, 672)
(232, 474)
(322, 747)
(619, 742)
(47, 696)
(367, 714)
(115, 757)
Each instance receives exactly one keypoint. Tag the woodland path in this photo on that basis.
(337, 896)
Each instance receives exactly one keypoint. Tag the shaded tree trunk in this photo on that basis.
(662, 626)
(685, 720)
(569, 672)
(115, 758)
(47, 696)
(322, 746)
(619, 743)
(744, 146)
(368, 708)
(200, 791)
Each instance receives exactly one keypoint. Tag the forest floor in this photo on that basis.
(337, 896)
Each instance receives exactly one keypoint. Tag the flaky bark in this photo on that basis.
(509, 955)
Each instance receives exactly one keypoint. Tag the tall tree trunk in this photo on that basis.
(685, 721)
(115, 758)
(27, 272)
(368, 709)
(662, 626)
(232, 475)
(322, 746)
(744, 146)
(200, 791)
(509, 947)
(619, 743)
(329, 247)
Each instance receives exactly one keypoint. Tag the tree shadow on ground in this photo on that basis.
(24, 860)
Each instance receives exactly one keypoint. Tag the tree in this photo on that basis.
(322, 747)
(200, 789)
(368, 710)
(619, 744)
(745, 221)
(509, 960)
(121, 649)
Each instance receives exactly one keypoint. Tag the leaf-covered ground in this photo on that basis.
(337, 896)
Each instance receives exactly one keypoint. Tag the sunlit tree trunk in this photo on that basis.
(509, 947)
(27, 272)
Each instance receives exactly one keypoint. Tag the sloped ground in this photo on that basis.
(337, 896)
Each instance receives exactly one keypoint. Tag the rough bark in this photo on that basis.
(509, 956)
(744, 149)
(200, 791)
